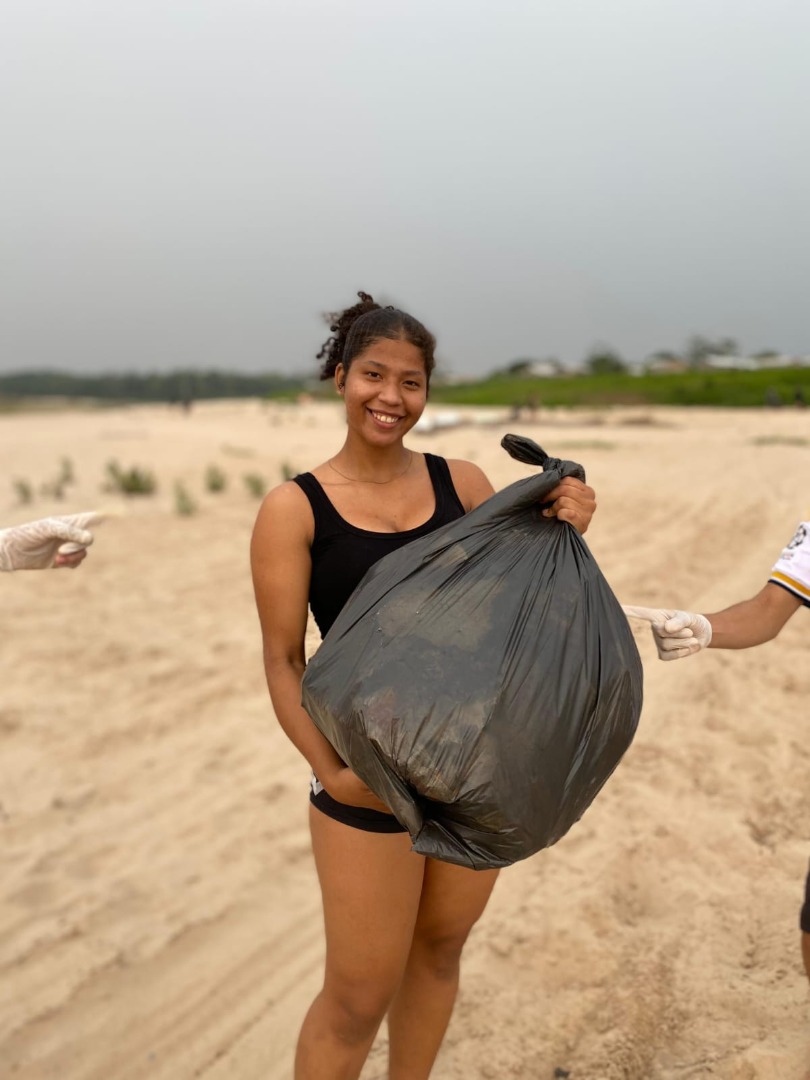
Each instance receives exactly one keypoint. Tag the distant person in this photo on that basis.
(751, 622)
(798, 398)
(52, 542)
(396, 922)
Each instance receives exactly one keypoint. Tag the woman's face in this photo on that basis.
(385, 390)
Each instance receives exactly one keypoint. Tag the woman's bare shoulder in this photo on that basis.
(470, 481)
(285, 513)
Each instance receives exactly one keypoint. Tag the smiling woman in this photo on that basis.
(385, 391)
(389, 384)
(396, 922)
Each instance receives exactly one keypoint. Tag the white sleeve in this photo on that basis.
(792, 569)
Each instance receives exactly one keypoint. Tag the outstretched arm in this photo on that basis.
(741, 626)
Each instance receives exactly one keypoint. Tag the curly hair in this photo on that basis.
(359, 326)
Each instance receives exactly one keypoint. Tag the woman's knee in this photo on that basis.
(355, 1010)
(439, 951)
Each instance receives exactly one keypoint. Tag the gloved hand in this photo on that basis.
(676, 633)
(36, 545)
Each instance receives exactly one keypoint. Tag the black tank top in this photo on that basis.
(342, 553)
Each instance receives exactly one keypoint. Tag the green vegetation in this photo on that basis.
(723, 388)
(184, 505)
(215, 479)
(132, 481)
(23, 491)
(176, 387)
(66, 473)
(256, 484)
(607, 383)
(48, 489)
(605, 361)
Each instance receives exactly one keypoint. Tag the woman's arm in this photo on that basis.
(280, 563)
(281, 566)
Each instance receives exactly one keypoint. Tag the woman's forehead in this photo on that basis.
(388, 353)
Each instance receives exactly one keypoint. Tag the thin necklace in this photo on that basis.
(354, 480)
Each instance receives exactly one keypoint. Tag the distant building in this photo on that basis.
(731, 363)
(755, 363)
(529, 368)
(545, 369)
(666, 365)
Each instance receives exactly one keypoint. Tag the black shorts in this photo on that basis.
(358, 817)
(804, 918)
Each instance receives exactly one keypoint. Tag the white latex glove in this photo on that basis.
(676, 633)
(35, 546)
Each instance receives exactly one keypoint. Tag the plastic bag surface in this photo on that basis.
(483, 680)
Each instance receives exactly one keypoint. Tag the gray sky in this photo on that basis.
(191, 184)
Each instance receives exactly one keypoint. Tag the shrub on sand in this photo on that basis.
(256, 484)
(132, 481)
(184, 505)
(23, 491)
(215, 479)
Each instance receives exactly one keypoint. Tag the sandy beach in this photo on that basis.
(159, 912)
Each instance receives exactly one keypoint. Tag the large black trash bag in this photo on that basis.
(483, 680)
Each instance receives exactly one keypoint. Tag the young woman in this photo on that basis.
(395, 921)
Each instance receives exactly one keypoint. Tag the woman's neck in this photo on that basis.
(371, 464)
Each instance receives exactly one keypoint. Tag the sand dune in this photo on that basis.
(159, 914)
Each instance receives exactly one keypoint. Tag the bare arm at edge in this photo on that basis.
(755, 621)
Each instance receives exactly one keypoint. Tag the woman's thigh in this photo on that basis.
(371, 885)
(453, 900)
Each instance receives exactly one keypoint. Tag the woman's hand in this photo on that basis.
(572, 501)
(346, 787)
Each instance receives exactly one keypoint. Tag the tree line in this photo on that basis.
(176, 387)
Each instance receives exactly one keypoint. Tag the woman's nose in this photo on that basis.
(390, 392)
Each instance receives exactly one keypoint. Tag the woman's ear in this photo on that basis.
(340, 378)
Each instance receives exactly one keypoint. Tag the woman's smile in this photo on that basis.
(387, 419)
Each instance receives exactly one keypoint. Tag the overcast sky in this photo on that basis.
(192, 184)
